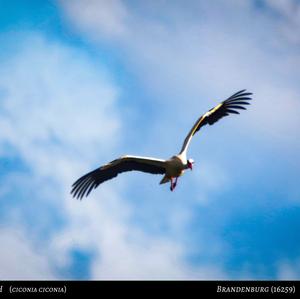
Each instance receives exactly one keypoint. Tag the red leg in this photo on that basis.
(175, 182)
(172, 185)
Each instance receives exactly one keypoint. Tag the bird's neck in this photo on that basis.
(182, 158)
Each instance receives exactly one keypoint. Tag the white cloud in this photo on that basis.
(191, 56)
(288, 270)
(19, 259)
(203, 54)
(98, 16)
(121, 250)
(287, 17)
(55, 102)
(212, 180)
(58, 110)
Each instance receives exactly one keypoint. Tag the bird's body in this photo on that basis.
(175, 167)
(171, 168)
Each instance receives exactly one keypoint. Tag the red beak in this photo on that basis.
(190, 166)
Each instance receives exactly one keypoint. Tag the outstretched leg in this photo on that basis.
(173, 185)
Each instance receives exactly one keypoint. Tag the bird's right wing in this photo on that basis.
(229, 106)
(85, 184)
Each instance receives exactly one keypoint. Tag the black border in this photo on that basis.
(140, 289)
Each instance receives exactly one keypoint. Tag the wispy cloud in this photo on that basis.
(62, 114)
(105, 17)
(289, 270)
(57, 111)
(208, 56)
(287, 14)
(19, 258)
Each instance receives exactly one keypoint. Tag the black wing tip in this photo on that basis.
(79, 187)
(241, 93)
(74, 193)
(241, 96)
(75, 196)
(238, 101)
(85, 184)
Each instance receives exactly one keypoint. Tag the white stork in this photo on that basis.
(171, 168)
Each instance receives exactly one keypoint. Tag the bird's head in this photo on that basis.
(190, 163)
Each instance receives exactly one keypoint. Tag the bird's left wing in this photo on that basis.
(236, 101)
(85, 184)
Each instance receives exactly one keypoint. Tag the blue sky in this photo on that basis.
(83, 82)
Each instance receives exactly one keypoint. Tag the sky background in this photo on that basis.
(85, 81)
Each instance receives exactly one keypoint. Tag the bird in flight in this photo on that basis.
(171, 168)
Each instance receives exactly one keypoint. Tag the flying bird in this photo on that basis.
(171, 168)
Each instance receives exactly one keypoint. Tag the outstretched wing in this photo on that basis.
(229, 106)
(85, 184)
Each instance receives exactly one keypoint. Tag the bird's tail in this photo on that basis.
(164, 180)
